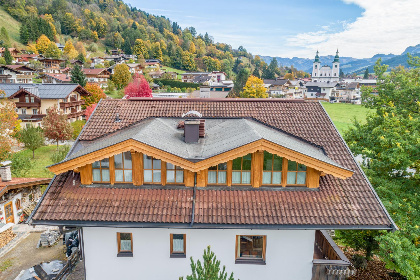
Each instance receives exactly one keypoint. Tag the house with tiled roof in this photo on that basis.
(33, 100)
(151, 182)
(98, 76)
(17, 194)
(52, 78)
(26, 75)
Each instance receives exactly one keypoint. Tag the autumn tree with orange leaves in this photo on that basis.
(55, 124)
(9, 125)
(96, 94)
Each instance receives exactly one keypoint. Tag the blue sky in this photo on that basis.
(358, 28)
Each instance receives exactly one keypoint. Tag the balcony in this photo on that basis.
(64, 105)
(28, 104)
(75, 114)
(329, 261)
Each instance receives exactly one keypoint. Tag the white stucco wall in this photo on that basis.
(289, 254)
(15, 210)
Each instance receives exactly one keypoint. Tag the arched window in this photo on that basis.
(272, 169)
(100, 171)
(217, 174)
(241, 170)
(123, 168)
(152, 169)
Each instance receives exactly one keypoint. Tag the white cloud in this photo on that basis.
(385, 26)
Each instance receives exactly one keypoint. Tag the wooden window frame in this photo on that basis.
(250, 171)
(123, 169)
(177, 254)
(124, 253)
(296, 173)
(100, 170)
(175, 169)
(217, 174)
(241, 260)
(272, 171)
(162, 170)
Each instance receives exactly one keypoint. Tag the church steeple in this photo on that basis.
(317, 56)
(336, 58)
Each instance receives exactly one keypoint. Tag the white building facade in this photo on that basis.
(289, 253)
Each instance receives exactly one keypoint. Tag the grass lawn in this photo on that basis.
(170, 69)
(342, 114)
(12, 26)
(42, 159)
(116, 94)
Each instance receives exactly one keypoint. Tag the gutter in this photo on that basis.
(193, 202)
(76, 223)
(393, 225)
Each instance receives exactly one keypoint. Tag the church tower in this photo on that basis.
(336, 66)
(316, 66)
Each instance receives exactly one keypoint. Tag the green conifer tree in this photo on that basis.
(7, 56)
(77, 76)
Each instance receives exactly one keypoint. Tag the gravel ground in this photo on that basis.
(26, 255)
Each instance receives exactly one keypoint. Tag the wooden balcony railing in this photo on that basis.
(329, 262)
(28, 104)
(64, 105)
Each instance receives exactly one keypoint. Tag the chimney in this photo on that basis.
(5, 171)
(191, 131)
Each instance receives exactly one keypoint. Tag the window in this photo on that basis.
(32, 99)
(35, 111)
(152, 169)
(272, 168)
(296, 173)
(17, 110)
(27, 98)
(174, 174)
(250, 249)
(241, 170)
(23, 111)
(125, 244)
(178, 245)
(100, 171)
(217, 174)
(17, 203)
(123, 168)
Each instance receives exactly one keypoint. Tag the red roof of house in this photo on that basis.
(345, 203)
(17, 183)
(94, 71)
(61, 77)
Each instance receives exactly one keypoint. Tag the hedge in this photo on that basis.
(177, 84)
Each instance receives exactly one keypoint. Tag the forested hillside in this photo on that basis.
(102, 25)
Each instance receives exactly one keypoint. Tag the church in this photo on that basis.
(326, 73)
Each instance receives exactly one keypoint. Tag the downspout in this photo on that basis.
(193, 202)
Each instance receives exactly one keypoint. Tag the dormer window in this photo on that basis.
(152, 169)
(123, 168)
(174, 174)
(241, 170)
(217, 174)
(100, 171)
(296, 173)
(272, 169)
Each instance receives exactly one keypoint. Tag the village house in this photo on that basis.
(17, 194)
(97, 60)
(152, 182)
(98, 76)
(277, 87)
(26, 58)
(32, 101)
(52, 64)
(152, 63)
(348, 91)
(135, 68)
(26, 75)
(8, 74)
(49, 78)
(13, 51)
(321, 91)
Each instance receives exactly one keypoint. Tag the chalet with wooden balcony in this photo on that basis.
(51, 63)
(98, 76)
(32, 101)
(152, 182)
(26, 75)
(13, 51)
(8, 75)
